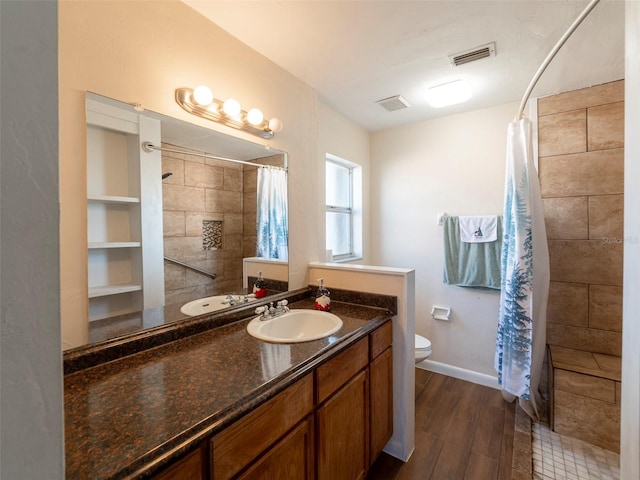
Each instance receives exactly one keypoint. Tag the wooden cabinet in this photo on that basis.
(124, 212)
(329, 425)
(259, 432)
(343, 432)
(380, 389)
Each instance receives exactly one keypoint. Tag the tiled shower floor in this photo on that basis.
(558, 457)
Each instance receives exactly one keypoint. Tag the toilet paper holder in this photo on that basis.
(441, 313)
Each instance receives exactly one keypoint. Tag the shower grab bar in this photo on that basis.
(195, 269)
(552, 54)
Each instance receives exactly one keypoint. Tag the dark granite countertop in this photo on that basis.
(129, 417)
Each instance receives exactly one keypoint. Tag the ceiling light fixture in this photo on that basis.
(201, 102)
(449, 93)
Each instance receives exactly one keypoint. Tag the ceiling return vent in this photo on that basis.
(394, 103)
(478, 53)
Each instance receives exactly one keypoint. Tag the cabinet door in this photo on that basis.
(343, 432)
(381, 398)
(243, 442)
(189, 468)
(291, 458)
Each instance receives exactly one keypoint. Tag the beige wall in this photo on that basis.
(581, 155)
(141, 52)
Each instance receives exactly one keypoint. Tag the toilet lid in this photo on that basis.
(422, 343)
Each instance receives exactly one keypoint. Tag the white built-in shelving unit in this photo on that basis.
(124, 212)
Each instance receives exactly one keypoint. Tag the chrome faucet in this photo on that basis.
(238, 299)
(268, 312)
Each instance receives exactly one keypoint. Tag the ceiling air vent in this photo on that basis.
(478, 53)
(394, 103)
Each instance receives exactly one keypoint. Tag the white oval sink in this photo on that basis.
(295, 326)
(208, 304)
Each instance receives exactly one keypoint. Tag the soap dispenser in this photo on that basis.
(259, 288)
(323, 297)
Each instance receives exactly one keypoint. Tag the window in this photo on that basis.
(343, 201)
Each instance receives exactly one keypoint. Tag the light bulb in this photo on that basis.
(275, 125)
(254, 116)
(231, 107)
(202, 95)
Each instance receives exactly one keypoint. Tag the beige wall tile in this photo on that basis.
(233, 180)
(250, 203)
(587, 339)
(249, 247)
(583, 98)
(175, 197)
(570, 359)
(609, 363)
(606, 217)
(173, 276)
(566, 217)
(232, 246)
(175, 167)
(586, 261)
(605, 307)
(223, 202)
(605, 126)
(562, 133)
(591, 173)
(205, 176)
(233, 268)
(250, 179)
(593, 421)
(223, 164)
(173, 224)
(568, 303)
(185, 249)
(233, 224)
(184, 295)
(585, 385)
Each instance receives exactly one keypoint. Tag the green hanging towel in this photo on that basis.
(471, 264)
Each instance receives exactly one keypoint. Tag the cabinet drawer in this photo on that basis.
(380, 339)
(337, 371)
(238, 445)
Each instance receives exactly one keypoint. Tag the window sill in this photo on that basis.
(347, 260)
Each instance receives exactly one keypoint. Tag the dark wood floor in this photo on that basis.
(464, 431)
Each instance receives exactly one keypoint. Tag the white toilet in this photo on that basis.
(423, 348)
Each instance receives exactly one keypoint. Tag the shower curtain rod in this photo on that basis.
(552, 54)
(150, 147)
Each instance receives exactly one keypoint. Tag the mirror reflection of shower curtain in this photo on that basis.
(272, 221)
(521, 335)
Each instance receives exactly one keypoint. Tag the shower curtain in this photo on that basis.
(521, 336)
(272, 221)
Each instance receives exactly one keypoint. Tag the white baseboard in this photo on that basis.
(461, 373)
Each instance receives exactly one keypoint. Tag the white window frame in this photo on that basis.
(354, 210)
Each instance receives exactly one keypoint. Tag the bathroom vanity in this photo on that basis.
(222, 404)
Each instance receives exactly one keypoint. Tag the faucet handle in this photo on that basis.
(283, 303)
(260, 310)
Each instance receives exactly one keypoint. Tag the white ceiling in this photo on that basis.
(356, 52)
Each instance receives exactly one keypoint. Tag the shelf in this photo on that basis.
(107, 290)
(97, 245)
(112, 199)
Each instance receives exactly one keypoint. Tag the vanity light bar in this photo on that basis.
(227, 113)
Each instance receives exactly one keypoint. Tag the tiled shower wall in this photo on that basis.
(581, 140)
(201, 189)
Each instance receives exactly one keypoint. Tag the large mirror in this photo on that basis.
(177, 213)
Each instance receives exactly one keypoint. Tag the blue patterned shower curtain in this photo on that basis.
(272, 221)
(521, 337)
